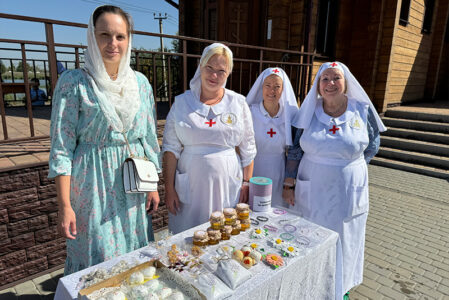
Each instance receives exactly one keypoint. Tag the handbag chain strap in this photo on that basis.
(129, 147)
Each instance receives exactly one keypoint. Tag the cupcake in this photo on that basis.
(226, 232)
(216, 220)
(242, 211)
(230, 216)
(214, 236)
(236, 228)
(246, 223)
(200, 238)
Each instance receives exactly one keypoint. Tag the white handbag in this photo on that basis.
(139, 174)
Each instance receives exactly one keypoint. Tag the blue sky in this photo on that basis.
(79, 11)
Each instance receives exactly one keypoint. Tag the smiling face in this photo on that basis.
(272, 89)
(214, 73)
(111, 33)
(331, 83)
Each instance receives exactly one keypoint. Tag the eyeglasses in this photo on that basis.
(220, 73)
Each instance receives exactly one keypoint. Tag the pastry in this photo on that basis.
(176, 296)
(226, 232)
(237, 255)
(216, 220)
(136, 278)
(246, 223)
(196, 251)
(230, 216)
(165, 292)
(214, 236)
(117, 295)
(153, 285)
(149, 272)
(200, 238)
(236, 228)
(242, 211)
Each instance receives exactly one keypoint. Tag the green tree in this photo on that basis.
(19, 67)
(2, 68)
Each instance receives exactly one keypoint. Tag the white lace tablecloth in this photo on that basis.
(314, 274)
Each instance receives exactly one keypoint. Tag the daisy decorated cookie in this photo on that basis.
(258, 233)
(290, 250)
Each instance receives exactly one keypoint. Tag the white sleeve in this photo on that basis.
(247, 146)
(170, 141)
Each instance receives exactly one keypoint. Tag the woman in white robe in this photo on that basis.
(337, 137)
(273, 106)
(202, 170)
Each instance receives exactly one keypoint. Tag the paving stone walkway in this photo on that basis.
(407, 242)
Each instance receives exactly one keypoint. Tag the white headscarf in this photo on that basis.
(118, 99)
(195, 83)
(353, 90)
(287, 101)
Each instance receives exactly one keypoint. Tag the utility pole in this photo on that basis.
(160, 18)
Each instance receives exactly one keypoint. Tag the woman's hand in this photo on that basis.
(152, 202)
(67, 222)
(244, 193)
(172, 200)
(289, 196)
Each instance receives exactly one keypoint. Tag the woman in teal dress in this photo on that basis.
(94, 108)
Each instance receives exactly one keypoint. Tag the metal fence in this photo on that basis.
(168, 72)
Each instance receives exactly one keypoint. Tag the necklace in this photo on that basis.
(214, 102)
(339, 111)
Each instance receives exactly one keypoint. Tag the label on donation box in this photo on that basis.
(260, 189)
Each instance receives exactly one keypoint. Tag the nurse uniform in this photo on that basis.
(272, 134)
(332, 179)
(204, 138)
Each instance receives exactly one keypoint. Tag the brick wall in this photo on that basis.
(29, 241)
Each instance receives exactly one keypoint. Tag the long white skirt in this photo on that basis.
(207, 179)
(334, 194)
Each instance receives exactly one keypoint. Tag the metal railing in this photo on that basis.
(249, 61)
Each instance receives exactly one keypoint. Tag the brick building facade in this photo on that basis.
(398, 49)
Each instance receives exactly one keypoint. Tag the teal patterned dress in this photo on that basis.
(109, 222)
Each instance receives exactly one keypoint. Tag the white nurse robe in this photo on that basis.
(332, 181)
(270, 141)
(209, 171)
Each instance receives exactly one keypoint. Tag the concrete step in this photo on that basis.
(416, 125)
(415, 157)
(409, 167)
(433, 137)
(416, 146)
(413, 115)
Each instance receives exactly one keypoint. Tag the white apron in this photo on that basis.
(270, 141)
(209, 171)
(332, 182)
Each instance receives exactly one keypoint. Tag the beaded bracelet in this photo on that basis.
(254, 222)
(289, 228)
(279, 211)
(270, 228)
(262, 218)
(286, 236)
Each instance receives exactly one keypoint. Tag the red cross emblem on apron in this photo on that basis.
(210, 123)
(271, 132)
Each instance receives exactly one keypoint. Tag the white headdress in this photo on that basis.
(118, 99)
(195, 83)
(353, 90)
(287, 101)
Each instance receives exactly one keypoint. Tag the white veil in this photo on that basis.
(354, 90)
(118, 99)
(287, 100)
(195, 83)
